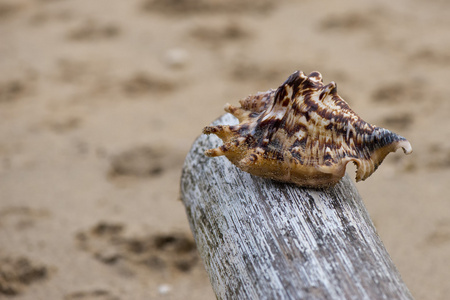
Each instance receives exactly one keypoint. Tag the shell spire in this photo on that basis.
(304, 133)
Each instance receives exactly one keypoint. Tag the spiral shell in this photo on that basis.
(304, 133)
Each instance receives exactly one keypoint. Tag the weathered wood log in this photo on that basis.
(260, 239)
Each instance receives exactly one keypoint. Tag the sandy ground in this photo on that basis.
(101, 100)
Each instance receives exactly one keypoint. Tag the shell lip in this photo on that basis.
(406, 146)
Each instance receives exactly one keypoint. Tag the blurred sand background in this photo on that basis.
(101, 100)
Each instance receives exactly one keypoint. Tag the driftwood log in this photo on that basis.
(260, 239)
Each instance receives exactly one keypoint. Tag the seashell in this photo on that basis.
(304, 133)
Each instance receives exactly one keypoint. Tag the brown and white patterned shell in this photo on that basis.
(303, 133)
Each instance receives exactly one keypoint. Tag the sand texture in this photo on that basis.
(101, 100)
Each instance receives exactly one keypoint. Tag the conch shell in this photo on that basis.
(304, 133)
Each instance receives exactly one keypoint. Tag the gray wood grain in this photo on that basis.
(261, 239)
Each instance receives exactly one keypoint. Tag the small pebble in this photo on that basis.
(176, 58)
(164, 289)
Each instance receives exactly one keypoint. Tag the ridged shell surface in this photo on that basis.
(304, 133)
